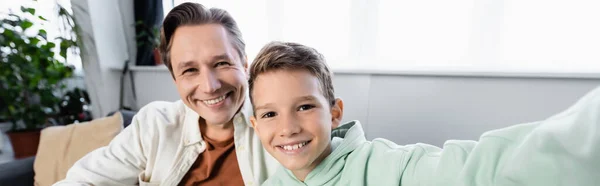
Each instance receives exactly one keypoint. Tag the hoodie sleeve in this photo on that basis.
(561, 150)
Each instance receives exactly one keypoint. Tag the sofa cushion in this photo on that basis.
(61, 146)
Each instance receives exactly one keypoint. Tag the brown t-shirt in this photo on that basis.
(217, 165)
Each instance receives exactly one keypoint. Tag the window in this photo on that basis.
(423, 32)
(47, 9)
(490, 35)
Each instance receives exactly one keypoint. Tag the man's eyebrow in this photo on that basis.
(185, 64)
(220, 57)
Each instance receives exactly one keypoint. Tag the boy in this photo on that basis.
(295, 111)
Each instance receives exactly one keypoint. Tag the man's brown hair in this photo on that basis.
(293, 56)
(196, 14)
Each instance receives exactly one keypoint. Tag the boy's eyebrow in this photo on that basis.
(263, 106)
(306, 98)
(301, 98)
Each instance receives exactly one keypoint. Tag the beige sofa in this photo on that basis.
(60, 147)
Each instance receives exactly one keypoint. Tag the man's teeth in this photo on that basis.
(215, 101)
(294, 147)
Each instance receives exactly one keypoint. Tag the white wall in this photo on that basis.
(425, 108)
(429, 109)
(109, 40)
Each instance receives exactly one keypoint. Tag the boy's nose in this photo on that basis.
(289, 126)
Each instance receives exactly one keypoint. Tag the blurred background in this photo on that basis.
(410, 71)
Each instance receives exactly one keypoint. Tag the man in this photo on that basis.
(205, 138)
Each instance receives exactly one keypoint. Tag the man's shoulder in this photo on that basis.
(166, 107)
(164, 111)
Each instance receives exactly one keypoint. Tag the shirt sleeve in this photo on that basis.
(119, 163)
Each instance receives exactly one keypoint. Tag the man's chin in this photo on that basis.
(217, 120)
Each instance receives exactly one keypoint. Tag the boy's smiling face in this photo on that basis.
(293, 119)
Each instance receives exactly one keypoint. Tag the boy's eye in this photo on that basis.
(306, 107)
(222, 63)
(268, 115)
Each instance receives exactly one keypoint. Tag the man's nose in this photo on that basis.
(209, 82)
(289, 126)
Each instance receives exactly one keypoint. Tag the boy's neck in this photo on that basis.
(302, 173)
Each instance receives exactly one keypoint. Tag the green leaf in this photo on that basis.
(34, 41)
(26, 24)
(30, 10)
(42, 18)
(63, 53)
(43, 33)
(9, 34)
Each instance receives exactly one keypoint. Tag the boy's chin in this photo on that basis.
(293, 163)
(296, 167)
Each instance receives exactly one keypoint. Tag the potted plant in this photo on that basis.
(30, 78)
(148, 36)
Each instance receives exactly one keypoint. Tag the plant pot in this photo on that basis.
(156, 55)
(25, 144)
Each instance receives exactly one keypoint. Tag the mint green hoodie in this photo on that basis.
(561, 150)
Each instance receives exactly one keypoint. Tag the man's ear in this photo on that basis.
(337, 112)
(245, 64)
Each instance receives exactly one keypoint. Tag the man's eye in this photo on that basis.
(222, 63)
(189, 70)
(306, 107)
(268, 115)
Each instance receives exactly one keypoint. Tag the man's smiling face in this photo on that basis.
(210, 76)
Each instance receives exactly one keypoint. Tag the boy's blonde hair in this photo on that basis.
(293, 56)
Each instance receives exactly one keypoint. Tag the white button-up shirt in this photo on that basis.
(160, 146)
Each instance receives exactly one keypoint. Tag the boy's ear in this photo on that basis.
(337, 112)
(253, 121)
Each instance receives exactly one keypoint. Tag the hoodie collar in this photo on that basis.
(345, 139)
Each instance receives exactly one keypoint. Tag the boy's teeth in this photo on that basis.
(215, 101)
(294, 147)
